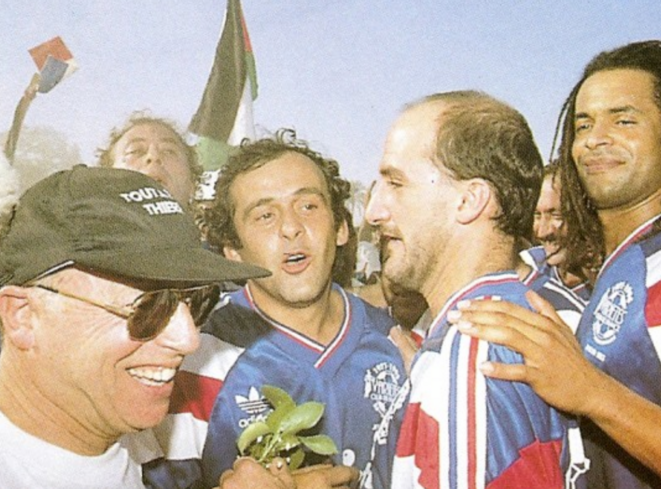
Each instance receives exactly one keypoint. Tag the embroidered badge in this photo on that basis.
(382, 386)
(610, 313)
(388, 397)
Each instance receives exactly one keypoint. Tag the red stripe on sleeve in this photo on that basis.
(472, 414)
(194, 394)
(418, 437)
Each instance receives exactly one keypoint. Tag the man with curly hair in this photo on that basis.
(280, 204)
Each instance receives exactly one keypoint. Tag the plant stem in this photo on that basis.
(275, 439)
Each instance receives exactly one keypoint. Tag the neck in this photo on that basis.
(618, 224)
(489, 253)
(26, 406)
(319, 320)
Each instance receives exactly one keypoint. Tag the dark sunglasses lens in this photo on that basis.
(202, 301)
(152, 313)
(153, 310)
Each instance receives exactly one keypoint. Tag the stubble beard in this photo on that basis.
(407, 272)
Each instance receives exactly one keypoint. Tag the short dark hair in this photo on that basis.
(253, 155)
(585, 240)
(481, 137)
(137, 118)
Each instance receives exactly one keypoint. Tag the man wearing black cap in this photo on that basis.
(102, 285)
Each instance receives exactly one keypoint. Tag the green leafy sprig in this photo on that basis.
(278, 435)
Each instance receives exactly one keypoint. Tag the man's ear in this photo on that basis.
(231, 253)
(16, 317)
(342, 235)
(475, 198)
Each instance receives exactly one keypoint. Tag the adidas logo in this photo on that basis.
(253, 404)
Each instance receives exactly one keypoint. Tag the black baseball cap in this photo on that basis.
(119, 223)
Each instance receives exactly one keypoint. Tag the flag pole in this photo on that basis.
(19, 115)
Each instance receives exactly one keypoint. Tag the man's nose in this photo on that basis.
(181, 334)
(375, 211)
(543, 228)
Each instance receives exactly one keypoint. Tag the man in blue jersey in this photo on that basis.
(611, 171)
(460, 176)
(281, 205)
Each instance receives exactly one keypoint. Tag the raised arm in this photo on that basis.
(19, 116)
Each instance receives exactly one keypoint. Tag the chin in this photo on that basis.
(402, 276)
(148, 417)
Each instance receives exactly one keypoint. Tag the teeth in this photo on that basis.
(295, 258)
(152, 375)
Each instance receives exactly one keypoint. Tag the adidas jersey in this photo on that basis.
(620, 333)
(536, 258)
(464, 430)
(359, 377)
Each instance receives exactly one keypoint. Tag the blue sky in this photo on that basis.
(337, 71)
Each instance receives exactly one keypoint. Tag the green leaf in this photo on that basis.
(287, 442)
(275, 418)
(277, 397)
(302, 417)
(296, 459)
(321, 444)
(250, 434)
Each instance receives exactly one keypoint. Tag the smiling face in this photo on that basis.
(85, 362)
(153, 149)
(412, 202)
(284, 221)
(617, 144)
(548, 224)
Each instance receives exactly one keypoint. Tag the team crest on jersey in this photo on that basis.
(382, 386)
(388, 397)
(254, 405)
(611, 312)
(383, 389)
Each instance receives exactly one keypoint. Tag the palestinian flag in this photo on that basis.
(225, 115)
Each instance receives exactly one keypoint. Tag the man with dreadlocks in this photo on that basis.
(611, 176)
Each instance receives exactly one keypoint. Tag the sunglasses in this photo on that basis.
(149, 314)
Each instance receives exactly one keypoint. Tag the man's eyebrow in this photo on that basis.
(172, 140)
(299, 192)
(142, 139)
(311, 191)
(624, 109)
(255, 204)
(389, 171)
